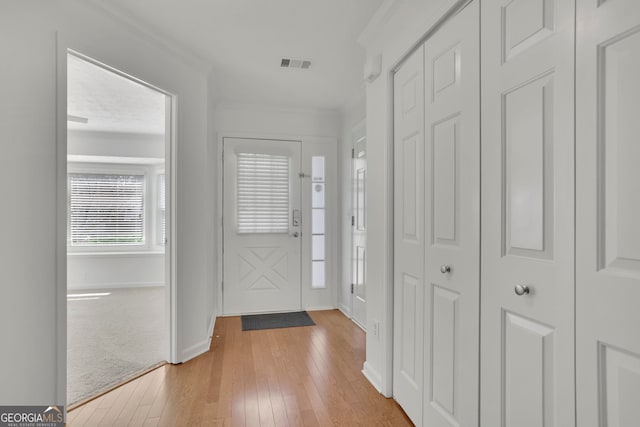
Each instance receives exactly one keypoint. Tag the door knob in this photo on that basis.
(521, 290)
(444, 269)
(295, 234)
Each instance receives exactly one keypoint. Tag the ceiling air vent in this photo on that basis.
(295, 63)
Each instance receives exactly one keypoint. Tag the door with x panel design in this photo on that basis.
(262, 226)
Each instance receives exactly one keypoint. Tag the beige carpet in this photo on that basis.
(112, 337)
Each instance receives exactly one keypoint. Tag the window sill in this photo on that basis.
(115, 253)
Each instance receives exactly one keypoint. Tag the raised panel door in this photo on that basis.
(608, 213)
(452, 217)
(409, 296)
(527, 320)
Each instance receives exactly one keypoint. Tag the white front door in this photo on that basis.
(452, 208)
(408, 252)
(262, 219)
(359, 227)
(527, 325)
(608, 213)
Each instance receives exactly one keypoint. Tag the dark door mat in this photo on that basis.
(276, 320)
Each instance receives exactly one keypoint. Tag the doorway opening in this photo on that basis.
(118, 216)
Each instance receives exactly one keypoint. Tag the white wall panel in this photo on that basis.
(619, 386)
(444, 361)
(526, 22)
(445, 172)
(528, 374)
(620, 180)
(528, 147)
(409, 313)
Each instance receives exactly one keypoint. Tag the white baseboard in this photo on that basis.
(212, 325)
(127, 285)
(373, 376)
(195, 350)
(321, 308)
(201, 347)
(345, 310)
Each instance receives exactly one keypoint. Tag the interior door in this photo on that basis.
(527, 335)
(452, 206)
(608, 213)
(408, 323)
(359, 227)
(262, 220)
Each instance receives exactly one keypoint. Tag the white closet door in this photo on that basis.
(452, 206)
(409, 236)
(527, 355)
(608, 213)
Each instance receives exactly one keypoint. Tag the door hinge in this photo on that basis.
(353, 220)
(353, 153)
(352, 288)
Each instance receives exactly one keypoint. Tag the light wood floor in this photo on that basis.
(281, 377)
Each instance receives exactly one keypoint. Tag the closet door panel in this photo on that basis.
(527, 335)
(608, 212)
(409, 293)
(452, 218)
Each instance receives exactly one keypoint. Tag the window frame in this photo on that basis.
(150, 219)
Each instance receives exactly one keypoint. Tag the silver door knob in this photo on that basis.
(521, 290)
(295, 234)
(444, 269)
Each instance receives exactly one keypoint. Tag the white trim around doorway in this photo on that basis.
(64, 47)
(303, 139)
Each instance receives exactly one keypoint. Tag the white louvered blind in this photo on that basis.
(262, 193)
(106, 209)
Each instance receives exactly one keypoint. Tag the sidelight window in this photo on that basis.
(318, 210)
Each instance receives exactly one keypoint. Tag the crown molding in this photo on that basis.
(151, 34)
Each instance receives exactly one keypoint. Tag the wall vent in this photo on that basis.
(295, 63)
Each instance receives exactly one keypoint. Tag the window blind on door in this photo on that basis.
(262, 192)
(106, 209)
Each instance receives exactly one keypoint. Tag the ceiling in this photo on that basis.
(244, 41)
(110, 102)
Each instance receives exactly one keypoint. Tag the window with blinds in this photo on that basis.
(106, 209)
(262, 189)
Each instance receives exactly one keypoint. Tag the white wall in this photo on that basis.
(274, 120)
(310, 126)
(33, 39)
(114, 270)
(393, 36)
(115, 144)
(352, 115)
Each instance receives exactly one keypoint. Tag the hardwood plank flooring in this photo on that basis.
(305, 376)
